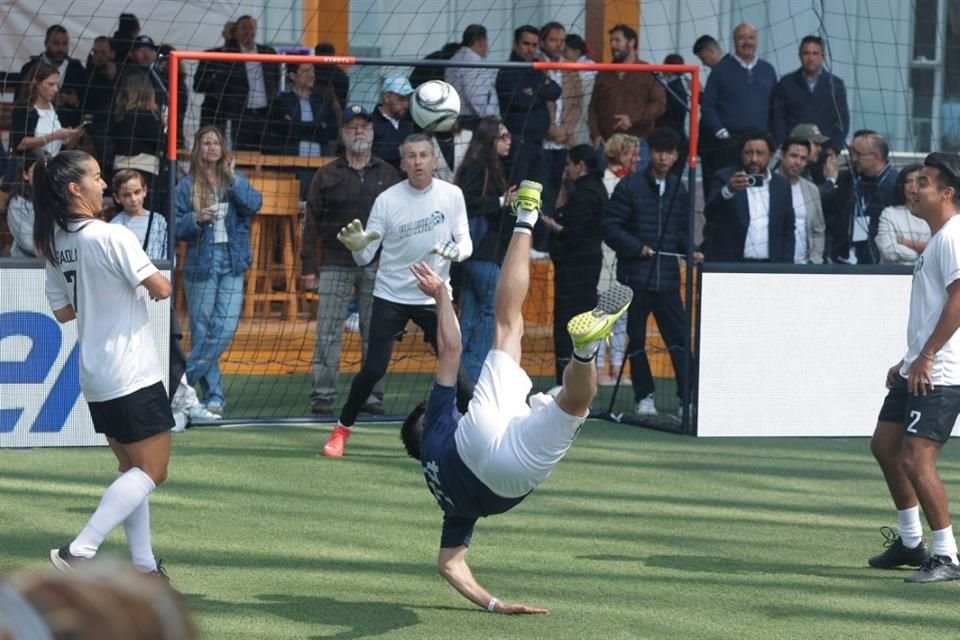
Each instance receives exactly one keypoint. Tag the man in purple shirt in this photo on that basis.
(488, 460)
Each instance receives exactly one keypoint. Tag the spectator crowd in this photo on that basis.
(609, 149)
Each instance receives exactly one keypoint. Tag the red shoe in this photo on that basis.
(336, 443)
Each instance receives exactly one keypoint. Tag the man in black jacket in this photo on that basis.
(248, 89)
(647, 225)
(523, 96)
(209, 79)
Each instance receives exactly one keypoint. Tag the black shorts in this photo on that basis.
(134, 417)
(931, 416)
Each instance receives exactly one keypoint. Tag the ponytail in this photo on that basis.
(51, 202)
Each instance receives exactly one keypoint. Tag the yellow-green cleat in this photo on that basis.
(528, 196)
(595, 325)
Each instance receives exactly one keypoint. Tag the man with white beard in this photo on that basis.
(341, 191)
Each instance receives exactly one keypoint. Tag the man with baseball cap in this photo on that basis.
(923, 401)
(391, 119)
(341, 191)
(821, 167)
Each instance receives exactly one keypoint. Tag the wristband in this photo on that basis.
(492, 607)
(924, 354)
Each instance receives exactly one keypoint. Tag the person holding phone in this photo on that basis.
(749, 212)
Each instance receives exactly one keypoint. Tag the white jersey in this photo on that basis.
(411, 222)
(938, 266)
(100, 268)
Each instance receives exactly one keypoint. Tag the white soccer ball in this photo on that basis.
(435, 106)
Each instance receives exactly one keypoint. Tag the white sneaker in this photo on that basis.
(179, 422)
(352, 323)
(647, 407)
(198, 412)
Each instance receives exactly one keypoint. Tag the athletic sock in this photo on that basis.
(344, 426)
(909, 527)
(587, 352)
(119, 501)
(137, 530)
(944, 544)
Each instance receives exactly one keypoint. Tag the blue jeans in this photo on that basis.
(479, 286)
(214, 305)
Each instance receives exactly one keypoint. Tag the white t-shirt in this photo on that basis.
(938, 266)
(47, 123)
(411, 222)
(100, 269)
(757, 243)
(158, 244)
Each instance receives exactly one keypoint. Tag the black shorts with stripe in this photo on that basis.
(931, 416)
(133, 417)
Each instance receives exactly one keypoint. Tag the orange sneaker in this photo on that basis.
(336, 443)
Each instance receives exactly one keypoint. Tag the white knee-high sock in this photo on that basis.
(137, 529)
(120, 500)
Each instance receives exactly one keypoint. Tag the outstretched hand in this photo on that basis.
(353, 236)
(428, 281)
(513, 609)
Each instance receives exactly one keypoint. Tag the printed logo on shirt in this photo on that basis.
(423, 225)
(432, 472)
(918, 267)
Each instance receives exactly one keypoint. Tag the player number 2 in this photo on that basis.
(71, 277)
(914, 419)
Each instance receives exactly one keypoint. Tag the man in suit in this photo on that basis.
(249, 88)
(811, 95)
(810, 229)
(749, 212)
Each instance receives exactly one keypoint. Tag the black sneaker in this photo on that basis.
(936, 569)
(896, 554)
(64, 561)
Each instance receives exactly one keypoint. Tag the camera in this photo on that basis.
(755, 179)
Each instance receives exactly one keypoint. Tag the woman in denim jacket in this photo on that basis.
(215, 205)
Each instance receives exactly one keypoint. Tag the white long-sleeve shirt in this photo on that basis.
(411, 222)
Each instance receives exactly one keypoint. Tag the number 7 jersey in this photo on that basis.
(98, 272)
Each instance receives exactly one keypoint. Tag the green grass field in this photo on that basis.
(638, 534)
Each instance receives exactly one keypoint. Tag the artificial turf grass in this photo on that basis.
(637, 535)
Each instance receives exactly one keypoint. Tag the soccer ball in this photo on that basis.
(435, 106)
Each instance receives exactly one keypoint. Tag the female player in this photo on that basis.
(98, 274)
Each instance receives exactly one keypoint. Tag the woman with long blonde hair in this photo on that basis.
(214, 206)
(137, 133)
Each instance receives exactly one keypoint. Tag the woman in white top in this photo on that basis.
(34, 122)
(901, 236)
(20, 208)
(98, 274)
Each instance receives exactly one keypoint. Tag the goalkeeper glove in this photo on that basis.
(353, 236)
(526, 205)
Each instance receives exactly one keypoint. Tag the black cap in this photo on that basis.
(141, 42)
(947, 163)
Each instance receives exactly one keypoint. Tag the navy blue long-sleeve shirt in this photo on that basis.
(736, 99)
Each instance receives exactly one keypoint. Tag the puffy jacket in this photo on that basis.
(638, 215)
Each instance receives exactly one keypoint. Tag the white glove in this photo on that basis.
(353, 236)
(446, 249)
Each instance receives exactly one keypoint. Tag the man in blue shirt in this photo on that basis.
(488, 460)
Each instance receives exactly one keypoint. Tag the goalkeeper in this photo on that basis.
(487, 461)
(421, 219)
